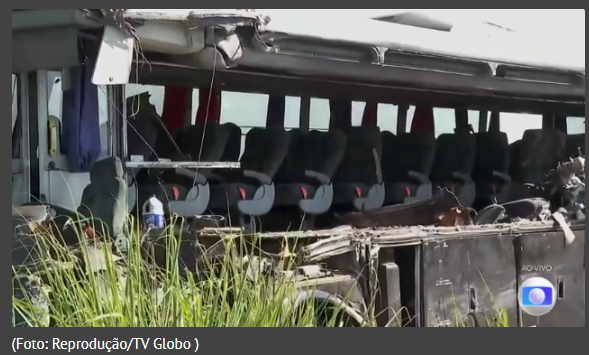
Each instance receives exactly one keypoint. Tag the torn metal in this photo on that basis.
(346, 266)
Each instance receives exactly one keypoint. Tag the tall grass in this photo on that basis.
(498, 318)
(90, 287)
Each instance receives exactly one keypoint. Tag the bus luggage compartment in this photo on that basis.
(471, 277)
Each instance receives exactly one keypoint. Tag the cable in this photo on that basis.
(207, 110)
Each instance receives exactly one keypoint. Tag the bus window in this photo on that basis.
(576, 125)
(249, 110)
(357, 113)
(320, 114)
(445, 120)
(156, 93)
(292, 117)
(245, 110)
(387, 117)
(474, 120)
(515, 124)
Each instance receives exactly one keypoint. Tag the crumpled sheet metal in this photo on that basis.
(238, 17)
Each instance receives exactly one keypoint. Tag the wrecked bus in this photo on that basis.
(426, 173)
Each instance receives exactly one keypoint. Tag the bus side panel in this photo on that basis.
(470, 282)
(546, 255)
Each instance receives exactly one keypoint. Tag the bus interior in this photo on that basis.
(280, 148)
(311, 156)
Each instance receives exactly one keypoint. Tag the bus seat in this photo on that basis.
(148, 141)
(143, 129)
(358, 181)
(323, 154)
(291, 172)
(454, 163)
(186, 192)
(232, 150)
(316, 157)
(167, 145)
(206, 142)
(142, 137)
(190, 188)
(575, 143)
(152, 182)
(252, 189)
(540, 151)
(104, 199)
(407, 162)
(491, 169)
(514, 151)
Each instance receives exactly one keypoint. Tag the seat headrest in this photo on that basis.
(106, 169)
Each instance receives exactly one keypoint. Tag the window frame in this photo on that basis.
(16, 122)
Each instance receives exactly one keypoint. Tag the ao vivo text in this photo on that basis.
(537, 268)
(106, 345)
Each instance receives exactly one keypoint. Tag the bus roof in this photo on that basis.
(499, 46)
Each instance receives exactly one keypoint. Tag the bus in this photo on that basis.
(280, 126)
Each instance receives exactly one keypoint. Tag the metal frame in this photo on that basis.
(305, 87)
(25, 150)
(22, 165)
(42, 116)
(119, 94)
(417, 71)
(360, 89)
(410, 39)
(181, 165)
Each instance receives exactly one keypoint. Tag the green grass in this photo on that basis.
(130, 292)
(133, 293)
(498, 318)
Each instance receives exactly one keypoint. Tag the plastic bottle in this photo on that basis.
(153, 214)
